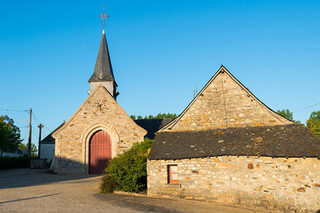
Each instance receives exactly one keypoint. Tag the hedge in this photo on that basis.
(14, 162)
(128, 171)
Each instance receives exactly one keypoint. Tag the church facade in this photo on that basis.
(100, 129)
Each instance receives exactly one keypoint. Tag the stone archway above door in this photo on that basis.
(85, 140)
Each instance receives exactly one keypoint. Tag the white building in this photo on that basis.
(47, 146)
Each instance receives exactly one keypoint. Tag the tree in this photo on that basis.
(313, 123)
(168, 115)
(171, 116)
(133, 117)
(34, 149)
(22, 146)
(9, 134)
(288, 115)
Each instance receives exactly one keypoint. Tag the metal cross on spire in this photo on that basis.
(103, 16)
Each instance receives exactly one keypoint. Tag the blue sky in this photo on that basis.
(160, 50)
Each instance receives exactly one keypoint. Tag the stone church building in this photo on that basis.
(99, 129)
(229, 147)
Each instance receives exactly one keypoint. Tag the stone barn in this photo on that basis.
(229, 147)
(100, 129)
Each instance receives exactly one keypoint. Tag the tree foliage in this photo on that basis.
(288, 115)
(129, 170)
(313, 123)
(159, 116)
(34, 150)
(133, 117)
(9, 134)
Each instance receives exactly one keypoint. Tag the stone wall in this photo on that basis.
(223, 104)
(109, 85)
(292, 183)
(99, 112)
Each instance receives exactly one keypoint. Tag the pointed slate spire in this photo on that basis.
(103, 69)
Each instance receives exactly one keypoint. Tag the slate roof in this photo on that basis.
(49, 139)
(292, 140)
(103, 68)
(152, 125)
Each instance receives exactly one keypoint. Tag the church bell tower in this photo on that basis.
(103, 73)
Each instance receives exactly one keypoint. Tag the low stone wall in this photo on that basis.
(281, 183)
(38, 164)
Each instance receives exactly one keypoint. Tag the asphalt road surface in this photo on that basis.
(27, 190)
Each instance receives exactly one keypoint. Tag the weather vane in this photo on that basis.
(103, 16)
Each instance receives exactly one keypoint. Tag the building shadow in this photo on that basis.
(29, 198)
(140, 204)
(23, 177)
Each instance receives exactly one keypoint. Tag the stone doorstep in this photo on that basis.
(144, 194)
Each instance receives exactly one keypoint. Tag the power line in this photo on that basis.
(34, 131)
(36, 119)
(40, 122)
(306, 107)
(14, 110)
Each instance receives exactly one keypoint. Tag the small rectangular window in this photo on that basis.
(172, 174)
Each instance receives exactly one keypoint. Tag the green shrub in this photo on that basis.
(129, 169)
(107, 184)
(14, 162)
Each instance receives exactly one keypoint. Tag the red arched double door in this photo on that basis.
(100, 152)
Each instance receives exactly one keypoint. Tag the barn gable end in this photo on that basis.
(225, 103)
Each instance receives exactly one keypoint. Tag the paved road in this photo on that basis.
(26, 190)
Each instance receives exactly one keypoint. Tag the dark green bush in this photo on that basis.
(129, 169)
(14, 162)
(107, 184)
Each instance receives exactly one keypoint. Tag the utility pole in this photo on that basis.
(40, 127)
(30, 131)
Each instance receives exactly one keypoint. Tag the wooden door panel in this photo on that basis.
(100, 152)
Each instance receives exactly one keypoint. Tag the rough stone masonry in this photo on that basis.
(292, 183)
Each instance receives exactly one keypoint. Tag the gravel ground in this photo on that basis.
(26, 190)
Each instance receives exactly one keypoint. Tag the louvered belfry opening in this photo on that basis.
(100, 152)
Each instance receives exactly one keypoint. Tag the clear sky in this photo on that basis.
(161, 50)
